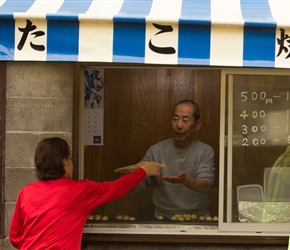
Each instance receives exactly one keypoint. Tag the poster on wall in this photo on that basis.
(94, 106)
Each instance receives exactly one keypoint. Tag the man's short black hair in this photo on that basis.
(196, 112)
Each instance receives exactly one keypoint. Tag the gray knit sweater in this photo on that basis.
(196, 160)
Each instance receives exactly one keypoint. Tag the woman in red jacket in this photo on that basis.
(51, 212)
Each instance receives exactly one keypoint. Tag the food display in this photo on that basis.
(159, 217)
(177, 218)
(119, 217)
(208, 218)
(98, 217)
(91, 217)
(130, 209)
(105, 217)
(250, 211)
(193, 217)
(201, 218)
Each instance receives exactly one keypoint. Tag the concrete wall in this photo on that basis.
(39, 105)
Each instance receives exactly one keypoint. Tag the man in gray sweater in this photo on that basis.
(184, 183)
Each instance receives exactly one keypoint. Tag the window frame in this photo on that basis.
(110, 236)
(3, 68)
(279, 229)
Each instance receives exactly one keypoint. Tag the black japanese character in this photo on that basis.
(281, 42)
(30, 27)
(162, 50)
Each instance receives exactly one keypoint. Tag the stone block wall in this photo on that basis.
(39, 104)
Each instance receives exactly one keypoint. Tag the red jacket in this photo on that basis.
(52, 214)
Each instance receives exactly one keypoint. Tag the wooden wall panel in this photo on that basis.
(163, 107)
(144, 116)
(182, 84)
(118, 117)
(99, 160)
(207, 95)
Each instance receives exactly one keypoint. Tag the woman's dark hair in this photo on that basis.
(49, 156)
(196, 109)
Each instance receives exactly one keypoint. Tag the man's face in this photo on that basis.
(183, 125)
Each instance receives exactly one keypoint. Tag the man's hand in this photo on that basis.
(176, 179)
(199, 185)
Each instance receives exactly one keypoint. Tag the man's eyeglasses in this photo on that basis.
(73, 159)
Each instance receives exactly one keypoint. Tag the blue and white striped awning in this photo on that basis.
(246, 33)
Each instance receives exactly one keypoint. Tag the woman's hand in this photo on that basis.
(152, 168)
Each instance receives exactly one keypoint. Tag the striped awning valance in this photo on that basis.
(242, 33)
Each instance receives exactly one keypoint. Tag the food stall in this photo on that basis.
(158, 49)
